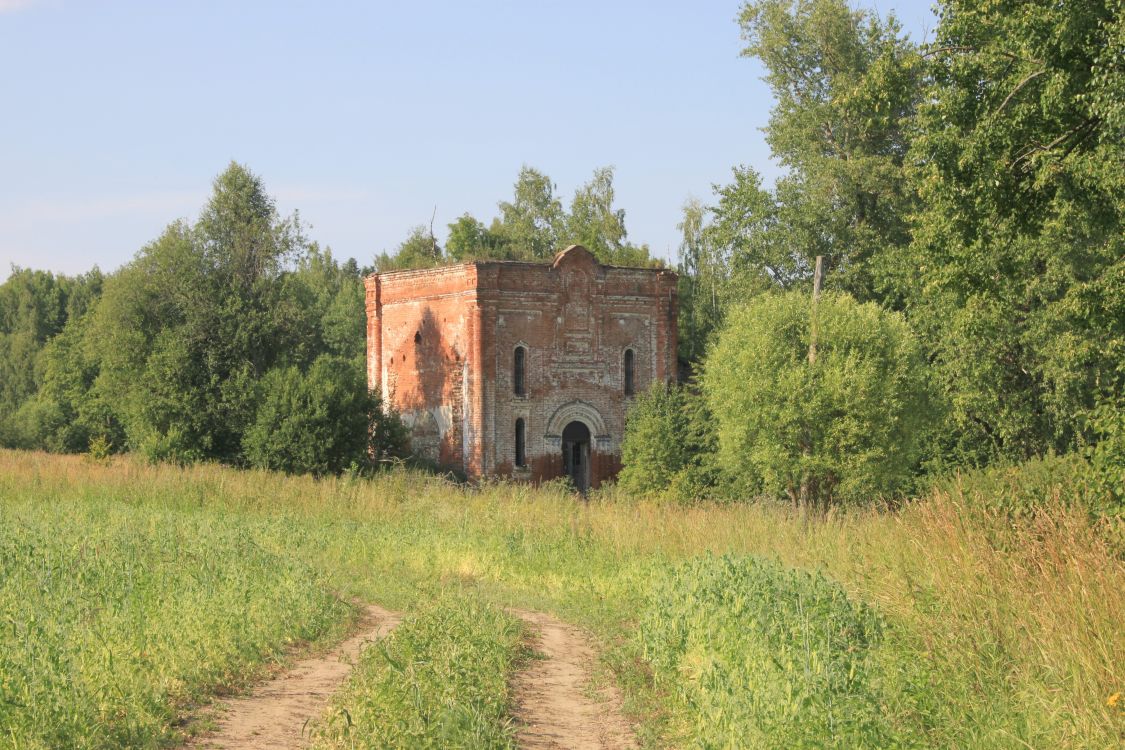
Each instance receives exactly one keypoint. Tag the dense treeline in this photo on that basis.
(966, 196)
(232, 339)
(972, 189)
(238, 339)
(34, 308)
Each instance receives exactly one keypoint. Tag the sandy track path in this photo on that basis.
(554, 708)
(274, 714)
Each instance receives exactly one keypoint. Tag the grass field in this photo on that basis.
(438, 681)
(953, 622)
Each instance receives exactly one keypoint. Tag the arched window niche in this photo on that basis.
(521, 443)
(630, 372)
(519, 371)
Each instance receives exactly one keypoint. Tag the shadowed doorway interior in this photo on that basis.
(576, 454)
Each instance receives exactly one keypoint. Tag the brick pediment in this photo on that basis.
(576, 257)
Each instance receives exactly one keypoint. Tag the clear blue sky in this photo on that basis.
(115, 115)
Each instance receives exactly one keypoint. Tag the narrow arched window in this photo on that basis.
(629, 376)
(521, 434)
(519, 375)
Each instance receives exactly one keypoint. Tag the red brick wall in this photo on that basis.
(420, 341)
(575, 317)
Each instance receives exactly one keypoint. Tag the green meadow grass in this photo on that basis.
(949, 623)
(115, 616)
(772, 657)
(440, 680)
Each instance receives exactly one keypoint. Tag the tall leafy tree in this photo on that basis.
(324, 302)
(700, 281)
(846, 84)
(728, 253)
(532, 226)
(233, 338)
(745, 238)
(595, 222)
(420, 249)
(470, 239)
(187, 328)
(1017, 269)
(533, 223)
(68, 412)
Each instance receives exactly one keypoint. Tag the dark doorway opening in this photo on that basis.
(576, 454)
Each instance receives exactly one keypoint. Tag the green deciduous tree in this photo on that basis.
(322, 421)
(186, 330)
(68, 413)
(703, 280)
(846, 84)
(34, 307)
(324, 302)
(1016, 275)
(748, 245)
(181, 355)
(593, 220)
(533, 224)
(847, 427)
(668, 444)
(596, 223)
(699, 307)
(419, 250)
(469, 239)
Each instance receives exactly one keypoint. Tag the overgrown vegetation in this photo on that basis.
(962, 183)
(966, 187)
(668, 445)
(438, 681)
(117, 613)
(995, 629)
(533, 226)
(778, 658)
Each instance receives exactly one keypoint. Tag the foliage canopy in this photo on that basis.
(848, 426)
(233, 339)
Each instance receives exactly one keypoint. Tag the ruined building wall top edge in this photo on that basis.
(477, 264)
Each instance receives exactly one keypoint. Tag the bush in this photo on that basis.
(320, 422)
(846, 427)
(1107, 456)
(29, 426)
(668, 444)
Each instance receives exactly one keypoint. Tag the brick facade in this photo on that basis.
(441, 348)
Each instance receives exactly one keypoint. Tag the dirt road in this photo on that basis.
(273, 716)
(555, 707)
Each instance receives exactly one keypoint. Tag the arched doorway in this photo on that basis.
(576, 454)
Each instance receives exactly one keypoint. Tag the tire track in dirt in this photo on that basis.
(274, 714)
(554, 705)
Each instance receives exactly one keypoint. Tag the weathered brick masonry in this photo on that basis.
(442, 349)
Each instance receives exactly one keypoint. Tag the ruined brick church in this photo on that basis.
(521, 370)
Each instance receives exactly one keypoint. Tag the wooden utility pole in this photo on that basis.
(815, 296)
(804, 493)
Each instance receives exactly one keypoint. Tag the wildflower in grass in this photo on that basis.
(1113, 700)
